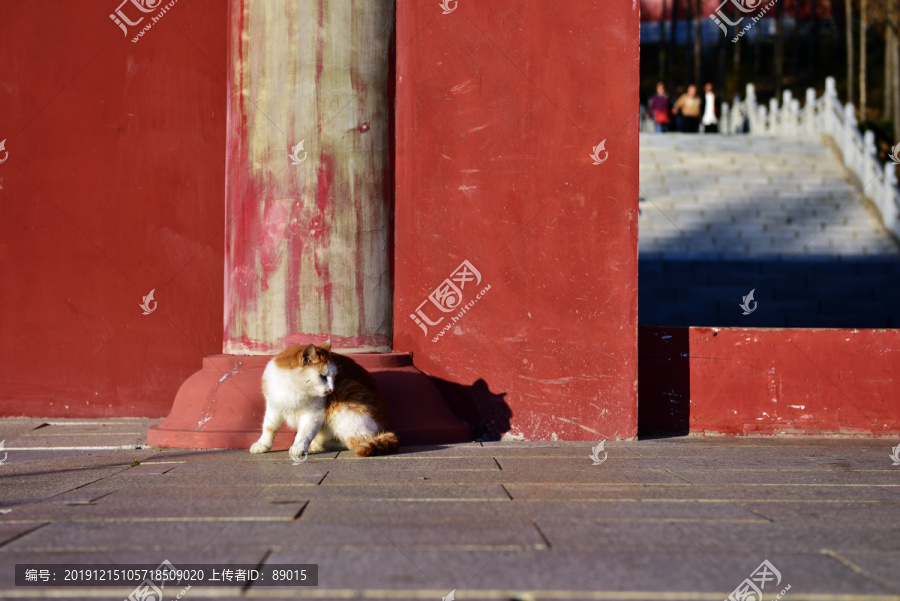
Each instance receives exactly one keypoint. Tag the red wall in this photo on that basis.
(769, 381)
(498, 107)
(113, 186)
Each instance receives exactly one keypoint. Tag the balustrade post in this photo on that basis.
(847, 134)
(774, 117)
(751, 110)
(809, 112)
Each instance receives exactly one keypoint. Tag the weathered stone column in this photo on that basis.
(308, 177)
(307, 212)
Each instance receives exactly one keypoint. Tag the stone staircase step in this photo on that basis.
(722, 215)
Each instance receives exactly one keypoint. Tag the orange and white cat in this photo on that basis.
(332, 401)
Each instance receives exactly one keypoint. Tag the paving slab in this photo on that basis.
(687, 493)
(678, 518)
(879, 567)
(13, 427)
(29, 481)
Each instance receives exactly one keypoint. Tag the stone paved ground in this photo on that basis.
(724, 215)
(686, 518)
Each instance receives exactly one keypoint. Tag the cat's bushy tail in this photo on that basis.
(382, 444)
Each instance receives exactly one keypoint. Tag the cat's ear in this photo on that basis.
(309, 354)
(325, 346)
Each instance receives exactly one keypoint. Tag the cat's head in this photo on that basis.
(312, 366)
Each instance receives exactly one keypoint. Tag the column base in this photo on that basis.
(222, 405)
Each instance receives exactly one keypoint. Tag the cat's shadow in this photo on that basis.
(486, 412)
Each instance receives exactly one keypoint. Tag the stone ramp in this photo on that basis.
(724, 215)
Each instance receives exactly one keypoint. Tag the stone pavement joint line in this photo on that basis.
(664, 519)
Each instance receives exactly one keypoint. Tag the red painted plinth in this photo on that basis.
(222, 405)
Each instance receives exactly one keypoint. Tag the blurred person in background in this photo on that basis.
(688, 106)
(709, 108)
(659, 108)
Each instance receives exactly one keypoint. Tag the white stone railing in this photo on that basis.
(822, 116)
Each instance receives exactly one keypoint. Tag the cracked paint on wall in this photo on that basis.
(307, 239)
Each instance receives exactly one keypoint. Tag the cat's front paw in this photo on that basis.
(259, 447)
